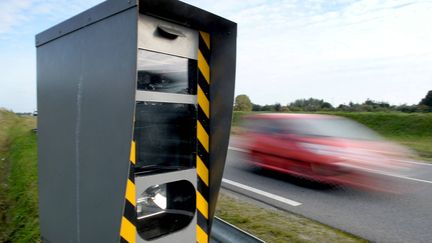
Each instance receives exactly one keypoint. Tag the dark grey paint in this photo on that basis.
(223, 61)
(187, 15)
(86, 96)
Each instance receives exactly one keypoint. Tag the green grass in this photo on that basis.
(413, 130)
(394, 124)
(272, 225)
(238, 115)
(18, 164)
(423, 146)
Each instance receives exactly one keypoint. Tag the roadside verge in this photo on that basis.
(273, 225)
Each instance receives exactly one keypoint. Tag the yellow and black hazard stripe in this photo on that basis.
(128, 224)
(203, 137)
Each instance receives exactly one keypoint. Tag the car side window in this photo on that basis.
(260, 126)
(268, 126)
(265, 126)
(272, 127)
(288, 127)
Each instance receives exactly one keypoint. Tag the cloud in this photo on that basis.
(300, 49)
(10, 14)
(17, 14)
(19, 22)
(340, 50)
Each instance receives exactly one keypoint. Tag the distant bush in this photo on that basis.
(314, 105)
(242, 103)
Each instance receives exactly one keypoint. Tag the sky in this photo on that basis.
(336, 50)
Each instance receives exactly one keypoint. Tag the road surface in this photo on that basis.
(379, 217)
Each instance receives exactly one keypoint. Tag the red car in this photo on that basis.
(323, 148)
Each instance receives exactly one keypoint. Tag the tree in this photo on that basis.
(256, 107)
(326, 105)
(427, 100)
(268, 108)
(278, 107)
(310, 104)
(406, 108)
(242, 103)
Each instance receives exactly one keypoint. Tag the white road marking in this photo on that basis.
(413, 179)
(369, 170)
(396, 176)
(378, 172)
(262, 193)
(417, 163)
(237, 149)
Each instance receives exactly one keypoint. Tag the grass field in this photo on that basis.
(18, 179)
(413, 130)
(280, 226)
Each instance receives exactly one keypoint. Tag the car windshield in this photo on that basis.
(330, 127)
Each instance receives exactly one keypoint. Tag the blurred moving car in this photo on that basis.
(323, 148)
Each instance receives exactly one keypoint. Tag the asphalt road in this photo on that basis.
(378, 217)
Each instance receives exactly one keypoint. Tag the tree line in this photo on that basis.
(243, 103)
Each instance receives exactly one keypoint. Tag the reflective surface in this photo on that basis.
(165, 134)
(166, 208)
(166, 73)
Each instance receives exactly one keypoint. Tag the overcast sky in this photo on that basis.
(336, 50)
